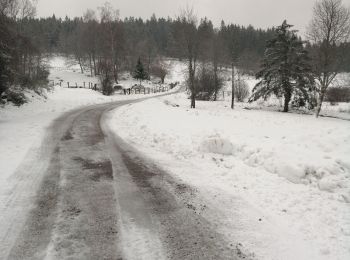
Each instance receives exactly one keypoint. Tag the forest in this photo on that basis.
(105, 45)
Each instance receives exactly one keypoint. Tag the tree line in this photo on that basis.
(21, 60)
(105, 45)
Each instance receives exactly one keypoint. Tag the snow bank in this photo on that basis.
(217, 145)
(297, 147)
(293, 168)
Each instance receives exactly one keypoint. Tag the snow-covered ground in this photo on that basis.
(23, 127)
(278, 184)
(66, 70)
(22, 131)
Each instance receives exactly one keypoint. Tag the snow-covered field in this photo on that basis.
(66, 70)
(279, 184)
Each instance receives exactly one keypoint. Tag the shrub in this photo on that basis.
(160, 71)
(106, 78)
(107, 86)
(16, 96)
(241, 90)
(207, 88)
(338, 94)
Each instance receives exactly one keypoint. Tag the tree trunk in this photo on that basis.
(81, 65)
(191, 68)
(215, 80)
(91, 72)
(149, 67)
(115, 73)
(320, 102)
(193, 100)
(233, 86)
(94, 61)
(287, 98)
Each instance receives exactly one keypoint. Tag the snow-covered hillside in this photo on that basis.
(278, 183)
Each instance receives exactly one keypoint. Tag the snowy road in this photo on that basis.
(98, 198)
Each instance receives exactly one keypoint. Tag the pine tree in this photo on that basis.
(6, 54)
(285, 69)
(140, 72)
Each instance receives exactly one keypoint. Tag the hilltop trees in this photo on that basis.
(330, 27)
(285, 69)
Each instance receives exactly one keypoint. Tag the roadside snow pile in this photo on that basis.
(294, 169)
(217, 145)
(299, 148)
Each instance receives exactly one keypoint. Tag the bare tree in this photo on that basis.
(109, 17)
(329, 27)
(190, 43)
(89, 38)
(160, 69)
(18, 8)
(241, 88)
(9, 8)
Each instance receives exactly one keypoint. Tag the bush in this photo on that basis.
(160, 71)
(207, 88)
(16, 96)
(106, 78)
(241, 90)
(107, 86)
(338, 94)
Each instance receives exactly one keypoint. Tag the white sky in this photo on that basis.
(259, 13)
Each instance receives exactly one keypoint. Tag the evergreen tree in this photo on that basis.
(6, 53)
(140, 72)
(285, 69)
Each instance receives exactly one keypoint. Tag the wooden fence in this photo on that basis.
(96, 87)
(87, 85)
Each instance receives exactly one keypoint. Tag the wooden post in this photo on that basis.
(68, 84)
(84, 84)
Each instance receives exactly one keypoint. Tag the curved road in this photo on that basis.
(99, 198)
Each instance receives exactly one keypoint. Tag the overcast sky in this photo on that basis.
(259, 13)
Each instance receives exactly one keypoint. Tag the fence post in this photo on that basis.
(84, 84)
(68, 84)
